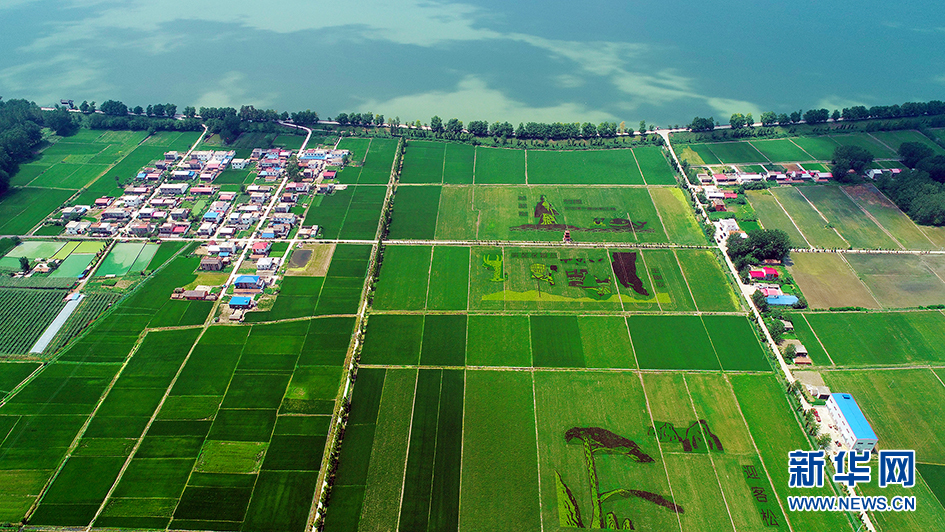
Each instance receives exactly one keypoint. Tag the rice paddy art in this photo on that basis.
(576, 216)
(595, 441)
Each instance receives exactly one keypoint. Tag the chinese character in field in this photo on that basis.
(859, 470)
(769, 518)
(750, 472)
(897, 467)
(806, 468)
(759, 494)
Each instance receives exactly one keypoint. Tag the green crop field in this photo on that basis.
(610, 167)
(820, 148)
(705, 153)
(357, 146)
(423, 162)
(499, 166)
(772, 216)
(895, 139)
(380, 158)
(868, 142)
(417, 210)
(904, 230)
(449, 286)
(781, 150)
(23, 208)
(764, 406)
(404, 278)
(740, 152)
(12, 374)
(853, 224)
(240, 445)
(710, 287)
(352, 213)
(545, 212)
(664, 270)
(827, 280)
(881, 339)
(901, 281)
(25, 314)
(811, 224)
(656, 169)
(676, 215)
(495, 340)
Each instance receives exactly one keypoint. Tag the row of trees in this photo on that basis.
(820, 116)
(920, 190)
(20, 131)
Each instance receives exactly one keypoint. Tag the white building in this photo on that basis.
(854, 429)
(77, 228)
(173, 189)
(238, 164)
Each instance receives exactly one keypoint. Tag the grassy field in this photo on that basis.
(811, 224)
(352, 213)
(853, 224)
(677, 216)
(416, 210)
(901, 281)
(610, 167)
(827, 280)
(881, 338)
(710, 288)
(781, 150)
(772, 216)
(894, 140)
(764, 405)
(499, 166)
(904, 230)
(23, 208)
(656, 169)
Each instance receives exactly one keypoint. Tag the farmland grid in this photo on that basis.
(689, 289)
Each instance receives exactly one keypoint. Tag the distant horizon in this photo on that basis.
(476, 60)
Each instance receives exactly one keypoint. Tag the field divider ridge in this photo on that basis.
(822, 346)
(828, 222)
(144, 432)
(692, 403)
(852, 269)
(873, 218)
(659, 447)
(754, 445)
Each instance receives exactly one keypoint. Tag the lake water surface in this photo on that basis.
(663, 62)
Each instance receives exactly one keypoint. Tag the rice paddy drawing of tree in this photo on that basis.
(596, 440)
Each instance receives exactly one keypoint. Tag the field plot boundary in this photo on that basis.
(659, 445)
(822, 346)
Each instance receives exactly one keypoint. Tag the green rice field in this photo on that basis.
(499, 380)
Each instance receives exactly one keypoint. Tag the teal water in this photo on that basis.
(663, 62)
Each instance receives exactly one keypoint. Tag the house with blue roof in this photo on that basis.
(249, 282)
(782, 300)
(242, 302)
(855, 430)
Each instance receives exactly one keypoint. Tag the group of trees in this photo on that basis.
(359, 119)
(761, 244)
(117, 108)
(20, 131)
(920, 190)
(820, 116)
(847, 159)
